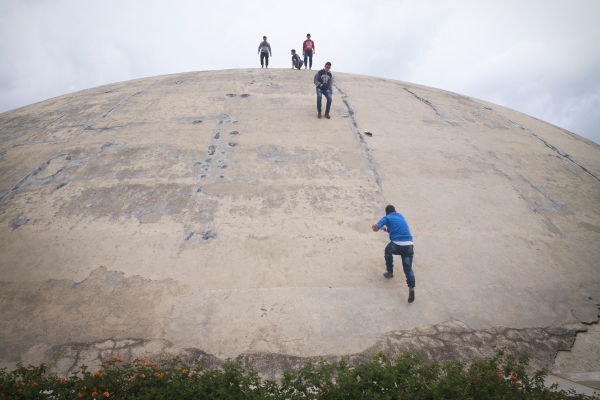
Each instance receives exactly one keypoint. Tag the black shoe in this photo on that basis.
(411, 295)
(319, 115)
(327, 116)
(388, 275)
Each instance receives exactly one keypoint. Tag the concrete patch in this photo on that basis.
(150, 218)
(105, 305)
(15, 223)
(451, 340)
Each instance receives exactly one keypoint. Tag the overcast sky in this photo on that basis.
(541, 57)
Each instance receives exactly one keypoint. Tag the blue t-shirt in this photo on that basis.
(396, 227)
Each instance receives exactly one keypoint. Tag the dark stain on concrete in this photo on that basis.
(230, 95)
(551, 227)
(589, 226)
(188, 236)
(132, 200)
(209, 233)
(227, 119)
(210, 150)
(61, 185)
(15, 223)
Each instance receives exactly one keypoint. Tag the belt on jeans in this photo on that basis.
(410, 246)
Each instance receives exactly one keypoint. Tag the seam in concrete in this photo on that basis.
(430, 104)
(360, 137)
(560, 153)
(121, 103)
(29, 175)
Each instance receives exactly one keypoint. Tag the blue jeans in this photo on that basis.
(327, 94)
(407, 253)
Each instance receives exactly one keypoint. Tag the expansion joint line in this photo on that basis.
(361, 139)
(121, 103)
(430, 104)
(40, 168)
(560, 153)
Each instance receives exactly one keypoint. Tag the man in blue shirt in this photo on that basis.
(401, 244)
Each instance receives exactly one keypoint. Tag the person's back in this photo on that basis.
(397, 227)
(401, 244)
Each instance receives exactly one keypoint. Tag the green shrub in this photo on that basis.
(406, 377)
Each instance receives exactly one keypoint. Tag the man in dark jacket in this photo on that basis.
(324, 83)
(296, 60)
(401, 244)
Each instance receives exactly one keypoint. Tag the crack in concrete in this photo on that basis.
(360, 137)
(560, 153)
(430, 104)
(31, 174)
(105, 128)
(121, 103)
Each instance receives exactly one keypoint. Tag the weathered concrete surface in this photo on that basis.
(213, 213)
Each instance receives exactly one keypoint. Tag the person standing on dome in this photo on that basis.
(308, 47)
(324, 83)
(264, 49)
(401, 244)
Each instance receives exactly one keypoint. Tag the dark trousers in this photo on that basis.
(308, 58)
(264, 57)
(407, 253)
(320, 94)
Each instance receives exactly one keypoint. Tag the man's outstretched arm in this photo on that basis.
(376, 228)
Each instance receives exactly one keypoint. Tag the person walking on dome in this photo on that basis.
(401, 244)
(296, 60)
(308, 48)
(264, 49)
(324, 83)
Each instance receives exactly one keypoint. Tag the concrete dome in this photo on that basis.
(211, 214)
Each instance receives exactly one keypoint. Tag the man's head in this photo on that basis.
(308, 35)
(389, 209)
(327, 66)
(265, 38)
(293, 51)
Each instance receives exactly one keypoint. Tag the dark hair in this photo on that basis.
(328, 63)
(293, 51)
(389, 209)
(308, 34)
(264, 37)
